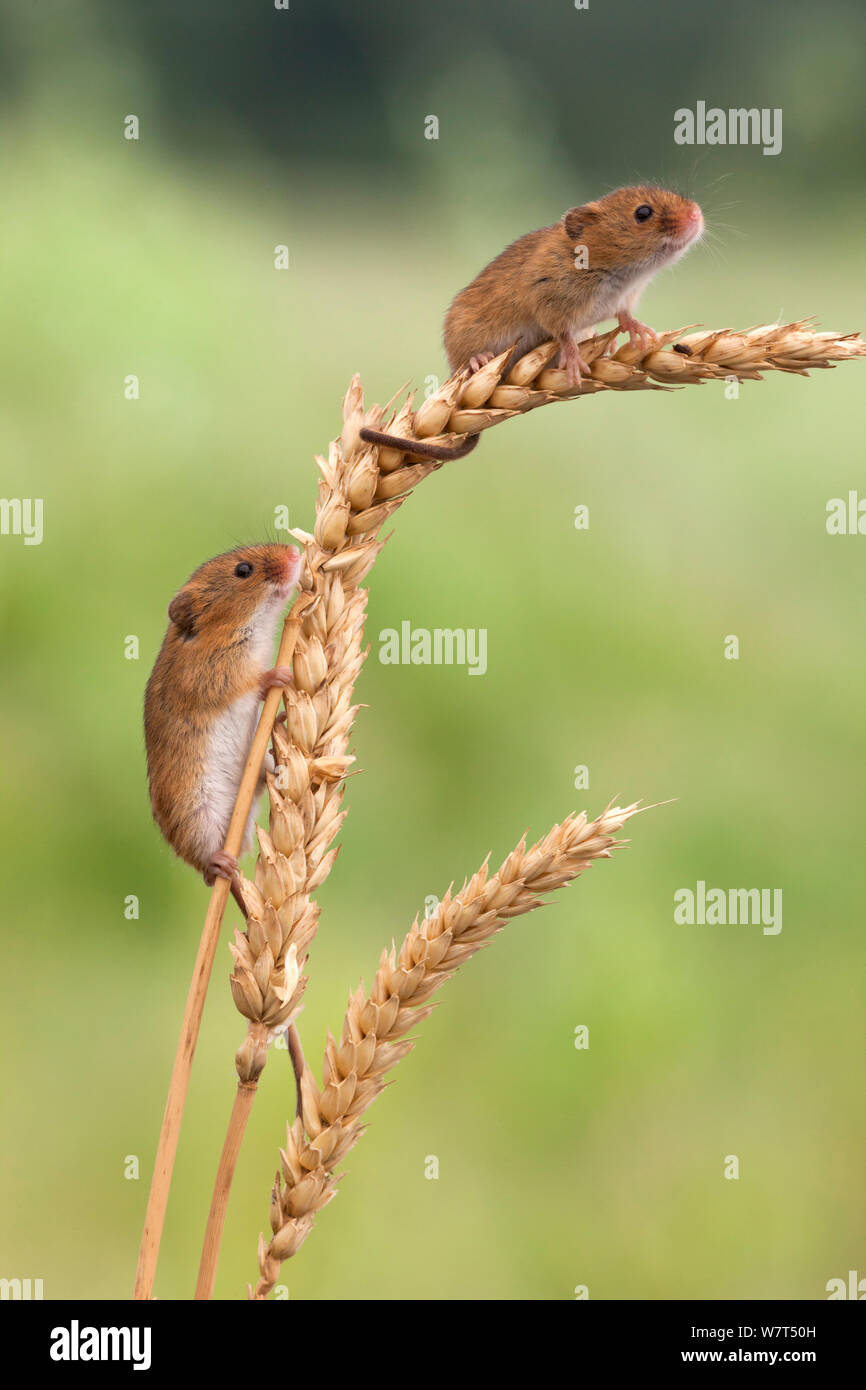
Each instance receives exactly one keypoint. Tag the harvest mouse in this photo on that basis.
(559, 281)
(202, 703)
(203, 696)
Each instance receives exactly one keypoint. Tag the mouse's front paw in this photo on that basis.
(278, 678)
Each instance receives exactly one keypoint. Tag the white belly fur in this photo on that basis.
(226, 755)
(230, 739)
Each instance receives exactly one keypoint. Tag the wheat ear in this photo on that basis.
(312, 760)
(311, 750)
(373, 1038)
(469, 404)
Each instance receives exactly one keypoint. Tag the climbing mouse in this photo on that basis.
(201, 707)
(560, 281)
(202, 699)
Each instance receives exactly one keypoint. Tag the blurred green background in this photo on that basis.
(558, 1167)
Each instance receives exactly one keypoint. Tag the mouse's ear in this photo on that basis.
(576, 220)
(181, 612)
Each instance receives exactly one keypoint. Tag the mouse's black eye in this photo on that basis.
(643, 212)
(243, 569)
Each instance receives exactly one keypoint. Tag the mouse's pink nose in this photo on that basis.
(689, 223)
(293, 563)
(282, 564)
(694, 216)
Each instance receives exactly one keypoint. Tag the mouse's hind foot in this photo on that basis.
(571, 360)
(220, 865)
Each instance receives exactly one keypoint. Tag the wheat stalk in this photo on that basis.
(373, 1038)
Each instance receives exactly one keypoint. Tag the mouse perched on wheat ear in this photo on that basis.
(559, 282)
